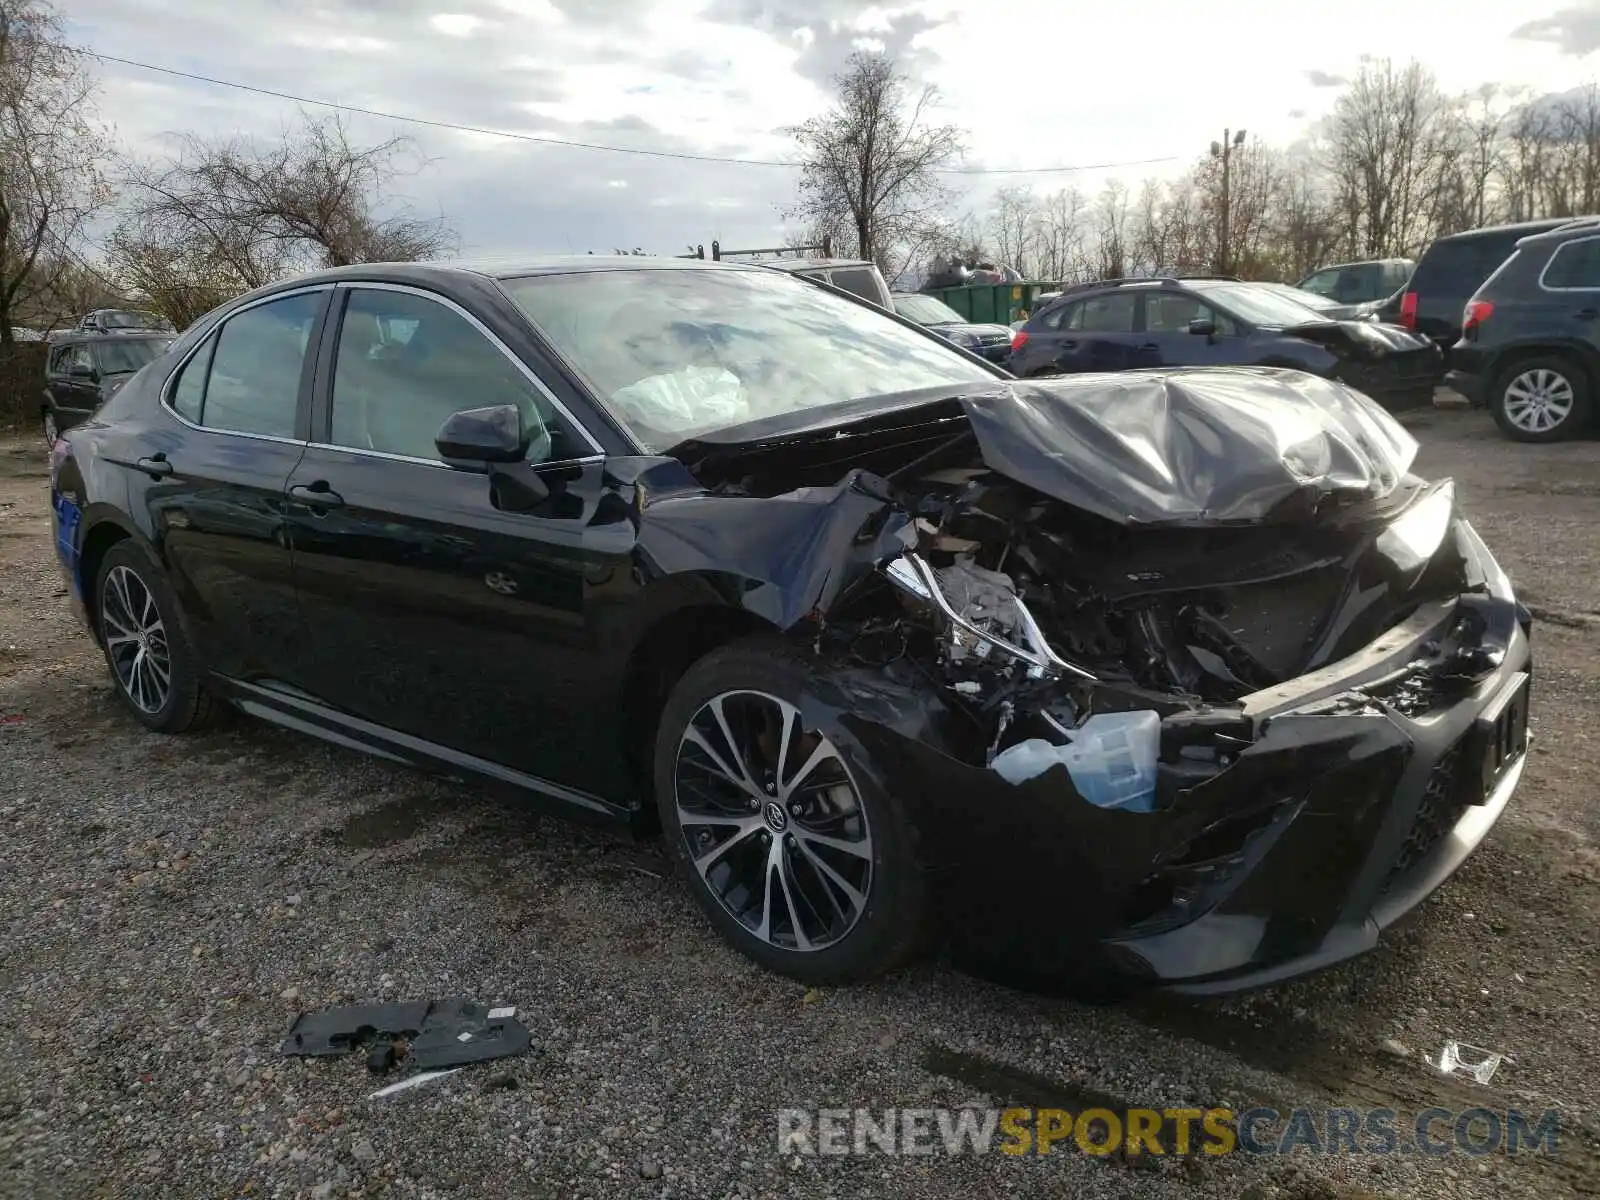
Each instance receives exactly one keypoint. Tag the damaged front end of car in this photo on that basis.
(1182, 674)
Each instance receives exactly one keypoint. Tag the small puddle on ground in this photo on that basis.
(391, 822)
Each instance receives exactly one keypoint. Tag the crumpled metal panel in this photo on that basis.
(1192, 446)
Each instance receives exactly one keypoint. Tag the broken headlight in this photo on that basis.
(1416, 534)
(912, 575)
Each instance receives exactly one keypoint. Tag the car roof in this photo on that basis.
(509, 267)
(1520, 228)
(802, 264)
(1356, 262)
(111, 335)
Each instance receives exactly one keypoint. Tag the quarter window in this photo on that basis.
(247, 378)
(1574, 265)
(405, 363)
(189, 391)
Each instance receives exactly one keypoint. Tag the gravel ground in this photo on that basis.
(167, 905)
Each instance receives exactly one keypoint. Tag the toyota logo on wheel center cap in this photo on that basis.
(776, 817)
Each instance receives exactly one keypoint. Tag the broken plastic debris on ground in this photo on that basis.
(423, 1034)
(1472, 1063)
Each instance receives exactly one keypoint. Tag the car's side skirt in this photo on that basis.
(296, 711)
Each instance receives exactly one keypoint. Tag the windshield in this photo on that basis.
(677, 353)
(119, 356)
(1257, 305)
(925, 310)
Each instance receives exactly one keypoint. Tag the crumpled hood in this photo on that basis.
(1191, 446)
(1371, 337)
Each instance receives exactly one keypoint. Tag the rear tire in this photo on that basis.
(154, 668)
(776, 818)
(1542, 399)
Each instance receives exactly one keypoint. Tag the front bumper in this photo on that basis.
(1359, 789)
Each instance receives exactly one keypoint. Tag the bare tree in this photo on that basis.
(1390, 139)
(310, 198)
(1014, 226)
(1062, 235)
(51, 155)
(872, 161)
(183, 277)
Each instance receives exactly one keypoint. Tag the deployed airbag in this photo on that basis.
(1195, 446)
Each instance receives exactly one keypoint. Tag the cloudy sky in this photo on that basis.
(1033, 84)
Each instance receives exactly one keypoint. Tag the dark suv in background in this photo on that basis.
(1360, 282)
(1530, 336)
(86, 368)
(1450, 270)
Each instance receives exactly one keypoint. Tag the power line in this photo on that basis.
(554, 141)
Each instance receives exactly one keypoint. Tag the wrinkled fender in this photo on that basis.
(785, 559)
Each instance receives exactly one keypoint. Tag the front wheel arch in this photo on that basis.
(662, 655)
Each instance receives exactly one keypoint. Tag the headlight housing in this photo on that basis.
(1416, 534)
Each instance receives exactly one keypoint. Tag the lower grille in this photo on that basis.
(1444, 802)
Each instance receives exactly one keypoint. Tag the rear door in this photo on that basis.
(449, 605)
(1097, 333)
(213, 484)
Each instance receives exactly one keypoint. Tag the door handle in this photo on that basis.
(1150, 346)
(316, 494)
(155, 466)
(1587, 314)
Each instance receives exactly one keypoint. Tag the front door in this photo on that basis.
(1169, 340)
(443, 603)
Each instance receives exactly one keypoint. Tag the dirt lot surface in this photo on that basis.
(167, 904)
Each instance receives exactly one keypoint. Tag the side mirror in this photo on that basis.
(1203, 327)
(482, 435)
(81, 371)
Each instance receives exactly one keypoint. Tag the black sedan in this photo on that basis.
(1179, 675)
(1123, 324)
(986, 341)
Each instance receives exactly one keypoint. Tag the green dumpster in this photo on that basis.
(994, 303)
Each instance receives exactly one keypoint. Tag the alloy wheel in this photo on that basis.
(1538, 400)
(772, 821)
(136, 640)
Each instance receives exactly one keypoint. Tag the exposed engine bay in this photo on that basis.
(1022, 593)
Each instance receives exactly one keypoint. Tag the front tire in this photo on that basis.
(52, 427)
(777, 820)
(156, 673)
(1544, 399)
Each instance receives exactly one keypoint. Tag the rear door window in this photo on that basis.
(858, 281)
(253, 381)
(1575, 266)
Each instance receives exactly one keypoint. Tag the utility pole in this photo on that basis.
(1224, 151)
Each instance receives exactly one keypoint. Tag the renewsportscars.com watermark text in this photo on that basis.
(1169, 1131)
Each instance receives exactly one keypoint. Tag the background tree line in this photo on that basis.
(1396, 163)
(179, 231)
